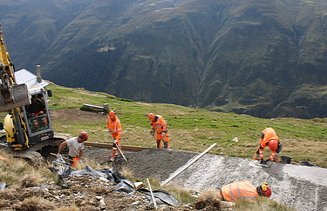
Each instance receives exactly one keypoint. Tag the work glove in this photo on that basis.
(258, 150)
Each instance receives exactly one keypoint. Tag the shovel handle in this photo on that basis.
(53, 154)
(121, 152)
(58, 156)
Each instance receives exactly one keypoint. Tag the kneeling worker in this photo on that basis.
(75, 148)
(234, 191)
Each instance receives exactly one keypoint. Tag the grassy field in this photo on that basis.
(192, 129)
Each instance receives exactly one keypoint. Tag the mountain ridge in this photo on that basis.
(242, 56)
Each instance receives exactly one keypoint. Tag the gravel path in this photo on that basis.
(152, 163)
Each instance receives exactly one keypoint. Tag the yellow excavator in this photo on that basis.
(27, 127)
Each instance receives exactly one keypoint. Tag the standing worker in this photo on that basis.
(115, 129)
(232, 192)
(268, 138)
(159, 130)
(75, 148)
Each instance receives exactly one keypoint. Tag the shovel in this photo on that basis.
(67, 159)
(121, 152)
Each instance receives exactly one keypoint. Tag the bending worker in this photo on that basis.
(232, 192)
(268, 138)
(159, 130)
(75, 148)
(115, 129)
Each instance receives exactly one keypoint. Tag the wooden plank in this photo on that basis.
(188, 164)
(109, 146)
(99, 145)
(95, 108)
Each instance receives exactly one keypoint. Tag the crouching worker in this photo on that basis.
(159, 130)
(268, 138)
(75, 147)
(232, 192)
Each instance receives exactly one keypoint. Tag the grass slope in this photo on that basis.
(191, 128)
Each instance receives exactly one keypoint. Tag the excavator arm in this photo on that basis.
(12, 98)
(12, 95)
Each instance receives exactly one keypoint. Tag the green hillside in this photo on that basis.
(190, 128)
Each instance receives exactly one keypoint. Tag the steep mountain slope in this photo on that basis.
(31, 26)
(264, 58)
(266, 49)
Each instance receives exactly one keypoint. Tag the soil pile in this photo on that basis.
(89, 193)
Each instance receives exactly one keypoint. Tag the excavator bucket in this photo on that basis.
(16, 96)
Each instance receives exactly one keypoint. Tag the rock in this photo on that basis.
(99, 197)
(102, 204)
(226, 204)
(2, 186)
(136, 203)
(235, 139)
(138, 185)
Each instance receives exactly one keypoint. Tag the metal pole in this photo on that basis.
(152, 196)
(186, 165)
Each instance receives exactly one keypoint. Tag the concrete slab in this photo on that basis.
(301, 187)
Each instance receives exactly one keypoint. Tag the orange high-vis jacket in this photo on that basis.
(269, 134)
(115, 127)
(239, 190)
(160, 125)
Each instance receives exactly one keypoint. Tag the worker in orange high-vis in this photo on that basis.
(159, 130)
(232, 192)
(268, 138)
(115, 130)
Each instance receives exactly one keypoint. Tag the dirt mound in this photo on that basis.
(83, 193)
(89, 193)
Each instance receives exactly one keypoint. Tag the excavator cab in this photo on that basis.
(36, 115)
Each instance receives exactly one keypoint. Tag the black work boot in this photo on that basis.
(263, 161)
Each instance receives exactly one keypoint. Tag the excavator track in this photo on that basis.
(32, 157)
(40, 152)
